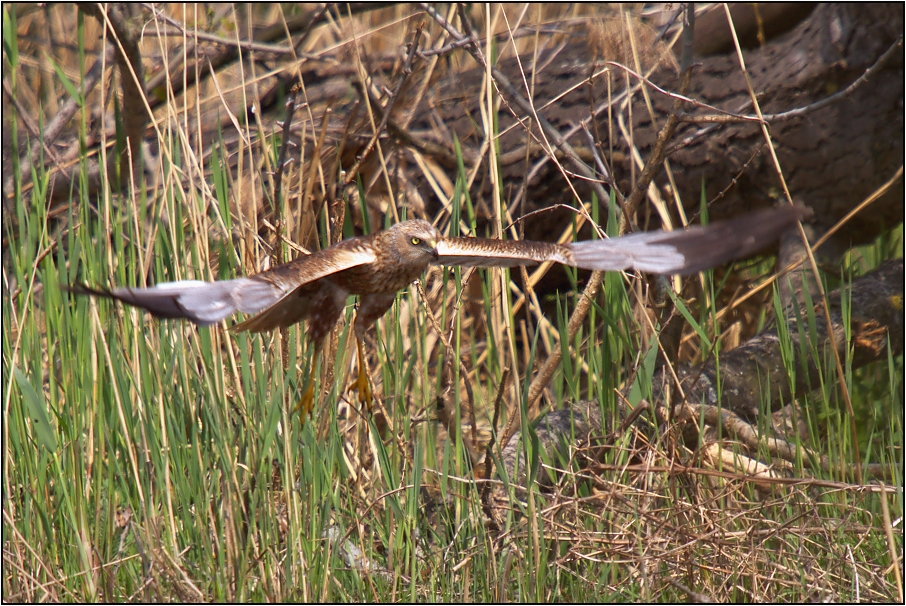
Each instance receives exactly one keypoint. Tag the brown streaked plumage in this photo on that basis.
(375, 267)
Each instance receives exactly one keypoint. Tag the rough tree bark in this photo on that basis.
(875, 303)
(877, 328)
(832, 157)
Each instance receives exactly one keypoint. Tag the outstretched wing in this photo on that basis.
(661, 252)
(483, 252)
(691, 250)
(206, 303)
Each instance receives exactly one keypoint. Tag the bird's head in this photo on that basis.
(415, 241)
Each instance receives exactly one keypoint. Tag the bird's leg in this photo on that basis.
(307, 401)
(371, 307)
(362, 384)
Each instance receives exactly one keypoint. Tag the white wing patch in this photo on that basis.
(639, 251)
(206, 303)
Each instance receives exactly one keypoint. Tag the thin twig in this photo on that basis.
(277, 197)
(388, 108)
(841, 377)
(55, 126)
(725, 117)
(655, 159)
(203, 68)
(503, 83)
(891, 543)
(846, 92)
(575, 322)
(124, 36)
(873, 197)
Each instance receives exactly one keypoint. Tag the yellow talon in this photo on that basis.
(364, 389)
(362, 384)
(305, 403)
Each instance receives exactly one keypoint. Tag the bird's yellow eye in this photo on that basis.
(416, 241)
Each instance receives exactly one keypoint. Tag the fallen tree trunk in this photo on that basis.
(876, 321)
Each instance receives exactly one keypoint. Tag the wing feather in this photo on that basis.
(484, 252)
(691, 250)
(206, 303)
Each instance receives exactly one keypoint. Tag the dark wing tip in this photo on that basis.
(159, 305)
(84, 289)
(708, 246)
(803, 212)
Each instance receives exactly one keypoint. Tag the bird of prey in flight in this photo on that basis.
(375, 267)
